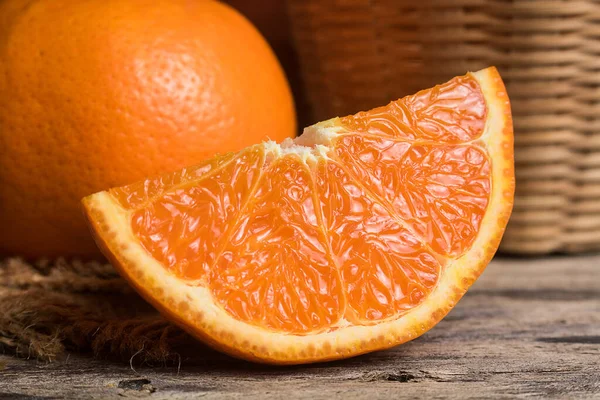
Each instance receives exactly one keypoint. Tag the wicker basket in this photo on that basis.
(357, 54)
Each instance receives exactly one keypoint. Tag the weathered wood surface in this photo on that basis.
(528, 328)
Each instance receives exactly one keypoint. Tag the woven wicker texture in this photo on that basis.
(357, 54)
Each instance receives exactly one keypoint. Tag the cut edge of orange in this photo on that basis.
(194, 309)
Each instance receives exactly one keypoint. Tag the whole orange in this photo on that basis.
(99, 93)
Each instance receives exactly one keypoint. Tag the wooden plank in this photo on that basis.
(528, 328)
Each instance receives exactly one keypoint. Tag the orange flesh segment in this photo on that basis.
(361, 236)
(454, 112)
(384, 268)
(440, 192)
(275, 270)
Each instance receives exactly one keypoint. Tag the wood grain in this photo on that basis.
(529, 328)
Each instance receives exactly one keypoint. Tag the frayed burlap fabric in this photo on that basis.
(50, 309)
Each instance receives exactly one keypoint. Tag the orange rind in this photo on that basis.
(361, 234)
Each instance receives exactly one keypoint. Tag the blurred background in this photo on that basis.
(342, 56)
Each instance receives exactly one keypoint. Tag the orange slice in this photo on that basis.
(359, 235)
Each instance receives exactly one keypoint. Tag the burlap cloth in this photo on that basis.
(49, 309)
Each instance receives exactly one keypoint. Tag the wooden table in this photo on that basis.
(527, 328)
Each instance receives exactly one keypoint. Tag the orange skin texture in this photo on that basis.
(100, 93)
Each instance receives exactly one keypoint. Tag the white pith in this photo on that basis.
(217, 322)
(311, 145)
